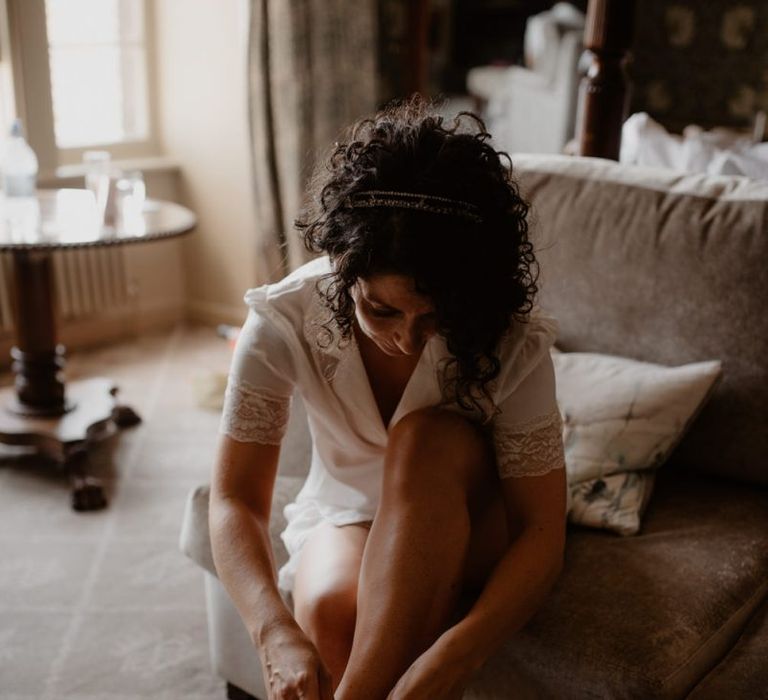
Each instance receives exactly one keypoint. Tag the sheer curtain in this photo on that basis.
(311, 72)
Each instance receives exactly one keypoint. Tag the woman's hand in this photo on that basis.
(440, 673)
(292, 667)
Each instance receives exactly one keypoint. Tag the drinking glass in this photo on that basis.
(97, 164)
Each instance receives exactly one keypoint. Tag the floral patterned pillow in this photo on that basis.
(621, 420)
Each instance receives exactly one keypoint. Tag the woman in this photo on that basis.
(432, 523)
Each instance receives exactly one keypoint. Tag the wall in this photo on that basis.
(200, 47)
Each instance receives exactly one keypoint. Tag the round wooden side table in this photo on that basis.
(61, 420)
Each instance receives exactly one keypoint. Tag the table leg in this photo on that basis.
(38, 361)
(39, 412)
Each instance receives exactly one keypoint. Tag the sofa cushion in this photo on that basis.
(639, 617)
(647, 616)
(668, 268)
(622, 416)
(744, 672)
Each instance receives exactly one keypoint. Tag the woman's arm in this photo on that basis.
(530, 459)
(240, 504)
(513, 593)
(536, 507)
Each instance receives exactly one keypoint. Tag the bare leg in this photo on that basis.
(414, 561)
(325, 591)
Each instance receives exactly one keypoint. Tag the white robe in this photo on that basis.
(282, 347)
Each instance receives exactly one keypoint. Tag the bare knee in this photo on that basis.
(432, 443)
(328, 612)
(327, 616)
(437, 427)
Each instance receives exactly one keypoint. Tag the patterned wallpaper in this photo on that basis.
(695, 61)
(700, 61)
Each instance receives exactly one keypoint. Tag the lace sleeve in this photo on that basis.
(251, 415)
(260, 385)
(530, 448)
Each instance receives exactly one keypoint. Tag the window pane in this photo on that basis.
(95, 96)
(82, 21)
(98, 71)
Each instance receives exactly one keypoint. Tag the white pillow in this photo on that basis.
(616, 502)
(621, 416)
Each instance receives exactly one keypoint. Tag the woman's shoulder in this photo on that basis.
(523, 347)
(520, 350)
(290, 301)
(295, 289)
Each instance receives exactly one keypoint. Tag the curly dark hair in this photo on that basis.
(480, 276)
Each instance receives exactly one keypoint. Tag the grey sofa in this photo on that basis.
(665, 268)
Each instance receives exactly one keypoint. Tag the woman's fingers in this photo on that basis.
(317, 686)
(293, 668)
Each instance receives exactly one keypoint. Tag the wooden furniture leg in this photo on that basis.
(417, 75)
(603, 92)
(61, 422)
(87, 492)
(38, 361)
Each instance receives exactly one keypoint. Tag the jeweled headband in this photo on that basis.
(413, 200)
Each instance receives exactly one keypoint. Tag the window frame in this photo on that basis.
(7, 97)
(30, 69)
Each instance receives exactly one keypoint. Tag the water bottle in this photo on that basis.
(19, 164)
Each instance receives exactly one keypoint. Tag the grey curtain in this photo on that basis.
(311, 72)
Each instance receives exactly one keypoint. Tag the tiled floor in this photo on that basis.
(102, 606)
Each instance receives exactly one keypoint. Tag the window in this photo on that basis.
(81, 77)
(97, 61)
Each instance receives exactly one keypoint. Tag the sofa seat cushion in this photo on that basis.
(744, 672)
(647, 616)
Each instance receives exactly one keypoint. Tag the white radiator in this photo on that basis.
(88, 281)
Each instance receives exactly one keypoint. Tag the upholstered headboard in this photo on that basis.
(663, 267)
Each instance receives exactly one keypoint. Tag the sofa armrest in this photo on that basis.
(233, 656)
(195, 540)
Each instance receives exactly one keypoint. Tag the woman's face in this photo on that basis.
(393, 314)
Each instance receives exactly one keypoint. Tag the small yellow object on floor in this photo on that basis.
(208, 388)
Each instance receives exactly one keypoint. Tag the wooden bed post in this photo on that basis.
(603, 91)
(417, 74)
